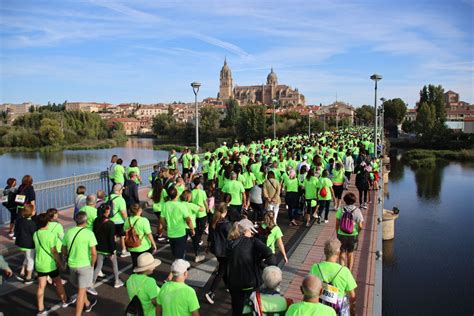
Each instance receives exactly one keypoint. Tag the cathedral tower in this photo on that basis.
(226, 87)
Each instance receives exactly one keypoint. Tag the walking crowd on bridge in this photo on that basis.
(232, 203)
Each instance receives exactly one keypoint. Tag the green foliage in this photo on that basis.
(251, 123)
(58, 129)
(434, 96)
(232, 115)
(426, 119)
(208, 120)
(366, 114)
(409, 126)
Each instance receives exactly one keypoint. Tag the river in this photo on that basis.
(427, 268)
(62, 164)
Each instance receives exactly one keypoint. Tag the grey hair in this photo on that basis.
(81, 218)
(272, 277)
(311, 286)
(117, 187)
(332, 247)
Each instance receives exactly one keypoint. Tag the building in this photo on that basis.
(410, 115)
(336, 111)
(468, 127)
(16, 109)
(130, 125)
(91, 107)
(453, 102)
(147, 112)
(258, 94)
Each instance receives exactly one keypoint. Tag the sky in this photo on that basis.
(150, 51)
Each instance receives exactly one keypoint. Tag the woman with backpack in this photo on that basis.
(349, 223)
(362, 183)
(310, 185)
(325, 195)
(138, 236)
(8, 202)
(338, 183)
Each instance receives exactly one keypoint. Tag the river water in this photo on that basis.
(62, 164)
(428, 267)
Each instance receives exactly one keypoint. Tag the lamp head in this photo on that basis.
(376, 77)
(195, 86)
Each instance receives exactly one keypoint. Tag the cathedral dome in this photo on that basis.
(272, 78)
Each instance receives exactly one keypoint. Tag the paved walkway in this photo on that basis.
(311, 250)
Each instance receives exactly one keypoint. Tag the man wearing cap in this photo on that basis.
(177, 298)
(144, 286)
(237, 192)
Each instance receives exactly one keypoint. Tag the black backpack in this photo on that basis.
(134, 308)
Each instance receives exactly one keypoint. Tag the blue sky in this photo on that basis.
(149, 51)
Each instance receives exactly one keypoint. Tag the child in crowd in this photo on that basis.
(24, 229)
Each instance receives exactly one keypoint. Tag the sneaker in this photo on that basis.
(319, 220)
(315, 215)
(43, 312)
(201, 243)
(210, 297)
(92, 291)
(101, 274)
(326, 221)
(13, 238)
(118, 284)
(49, 280)
(28, 281)
(71, 300)
(11, 234)
(125, 254)
(199, 258)
(91, 304)
(161, 238)
(20, 277)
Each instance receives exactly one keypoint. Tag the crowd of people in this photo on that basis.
(228, 203)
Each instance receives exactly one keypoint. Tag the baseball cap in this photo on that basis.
(179, 266)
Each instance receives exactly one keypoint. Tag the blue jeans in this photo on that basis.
(324, 205)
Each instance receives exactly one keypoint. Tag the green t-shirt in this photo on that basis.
(273, 237)
(310, 309)
(58, 230)
(157, 207)
(118, 206)
(193, 210)
(199, 197)
(91, 215)
(119, 174)
(79, 254)
(338, 175)
(325, 183)
(291, 185)
(235, 189)
(136, 170)
(175, 214)
(205, 166)
(344, 281)
(146, 289)
(44, 241)
(177, 299)
(187, 160)
(174, 162)
(310, 188)
(248, 180)
(142, 228)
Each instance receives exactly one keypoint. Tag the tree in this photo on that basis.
(50, 132)
(232, 115)
(409, 126)
(426, 119)
(394, 111)
(161, 124)
(251, 123)
(208, 121)
(366, 114)
(434, 95)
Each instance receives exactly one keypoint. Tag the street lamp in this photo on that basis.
(274, 123)
(309, 123)
(196, 86)
(375, 78)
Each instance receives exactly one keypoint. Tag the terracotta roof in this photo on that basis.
(469, 119)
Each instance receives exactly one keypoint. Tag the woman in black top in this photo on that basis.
(245, 254)
(104, 231)
(25, 227)
(26, 194)
(217, 241)
(9, 202)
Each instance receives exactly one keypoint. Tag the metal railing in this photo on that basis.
(61, 193)
(377, 303)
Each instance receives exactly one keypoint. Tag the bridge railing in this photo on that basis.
(379, 199)
(61, 193)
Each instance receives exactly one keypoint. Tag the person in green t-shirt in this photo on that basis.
(194, 211)
(325, 195)
(172, 160)
(349, 240)
(134, 168)
(338, 183)
(119, 172)
(310, 288)
(292, 197)
(142, 228)
(142, 285)
(90, 210)
(47, 262)
(329, 271)
(275, 234)
(238, 198)
(177, 298)
(175, 218)
(79, 247)
(158, 196)
(310, 185)
(55, 227)
(119, 215)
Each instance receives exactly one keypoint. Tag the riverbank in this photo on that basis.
(426, 158)
(84, 145)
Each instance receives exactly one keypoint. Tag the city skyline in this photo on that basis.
(147, 52)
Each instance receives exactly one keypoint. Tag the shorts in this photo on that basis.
(82, 277)
(119, 230)
(338, 190)
(248, 190)
(52, 274)
(348, 243)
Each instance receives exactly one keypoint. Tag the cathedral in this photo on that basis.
(258, 94)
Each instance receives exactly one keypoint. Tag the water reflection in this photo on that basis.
(389, 258)
(429, 181)
(397, 170)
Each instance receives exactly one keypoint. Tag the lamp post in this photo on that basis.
(274, 123)
(309, 123)
(196, 86)
(375, 78)
(382, 123)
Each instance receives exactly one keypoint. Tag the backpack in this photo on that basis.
(324, 192)
(132, 240)
(135, 307)
(347, 221)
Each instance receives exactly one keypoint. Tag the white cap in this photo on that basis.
(179, 266)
